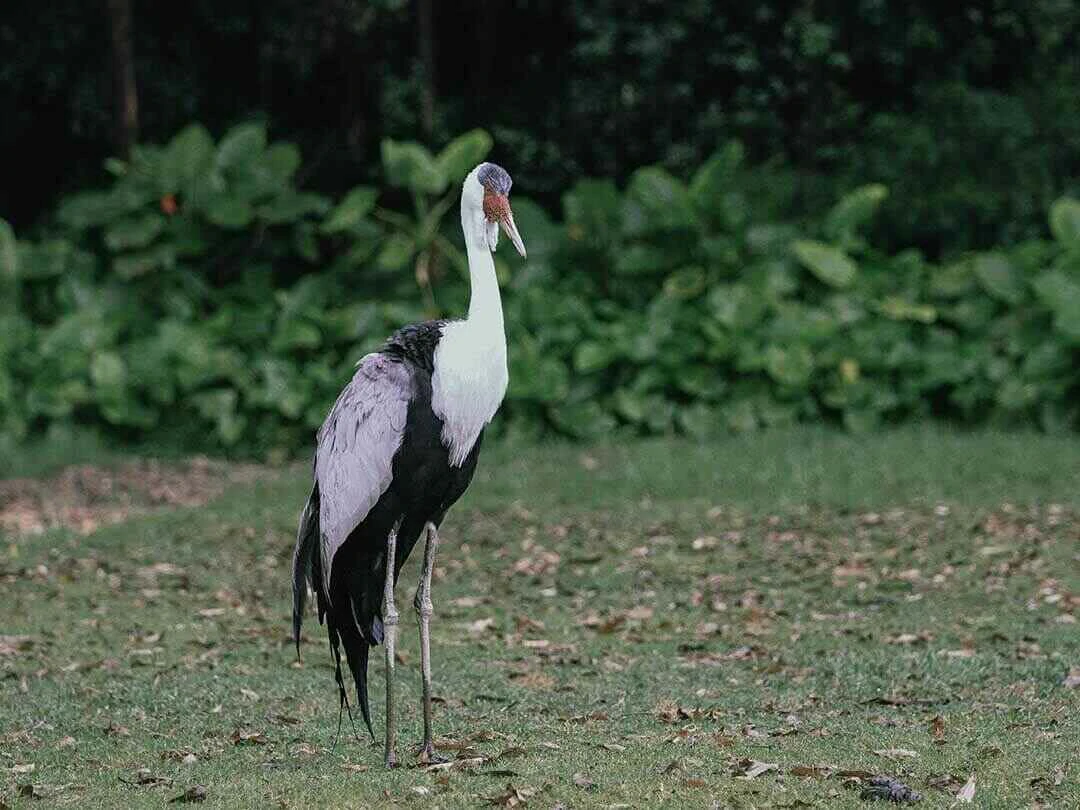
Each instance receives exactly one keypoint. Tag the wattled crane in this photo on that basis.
(397, 449)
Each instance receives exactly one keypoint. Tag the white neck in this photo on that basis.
(485, 304)
(470, 376)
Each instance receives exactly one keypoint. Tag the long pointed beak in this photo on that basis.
(511, 231)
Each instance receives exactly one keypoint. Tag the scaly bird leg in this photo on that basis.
(424, 609)
(390, 620)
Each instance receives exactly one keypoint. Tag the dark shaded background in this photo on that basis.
(969, 112)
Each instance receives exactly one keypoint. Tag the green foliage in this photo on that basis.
(206, 297)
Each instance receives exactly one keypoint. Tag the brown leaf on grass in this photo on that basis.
(1072, 680)
(480, 626)
(937, 729)
(525, 624)
(13, 645)
(539, 561)
(66, 742)
(908, 639)
(944, 781)
(694, 782)
(533, 680)
(752, 768)
(508, 753)
(511, 797)
(114, 729)
(243, 736)
(144, 778)
(967, 792)
(603, 624)
(583, 781)
(469, 601)
(195, 793)
(896, 753)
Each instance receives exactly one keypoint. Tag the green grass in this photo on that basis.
(800, 598)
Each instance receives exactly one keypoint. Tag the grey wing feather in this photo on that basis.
(356, 447)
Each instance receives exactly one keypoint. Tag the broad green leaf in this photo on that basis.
(714, 179)
(586, 420)
(219, 406)
(642, 259)
(592, 356)
(854, 210)
(1065, 221)
(462, 154)
(395, 252)
(88, 209)
(281, 161)
(134, 232)
(790, 365)
(831, 265)
(998, 277)
(736, 306)
(227, 211)
(132, 265)
(656, 201)
(409, 165)
(241, 146)
(352, 210)
(108, 373)
(292, 206)
(1061, 294)
(697, 420)
(187, 162)
(899, 309)
(685, 284)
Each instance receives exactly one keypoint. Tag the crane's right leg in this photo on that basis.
(424, 609)
(390, 621)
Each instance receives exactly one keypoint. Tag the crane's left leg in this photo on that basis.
(424, 609)
(390, 620)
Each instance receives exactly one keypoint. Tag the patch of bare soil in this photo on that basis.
(85, 497)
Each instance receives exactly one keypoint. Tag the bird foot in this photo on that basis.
(428, 756)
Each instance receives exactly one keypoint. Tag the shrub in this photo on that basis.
(206, 299)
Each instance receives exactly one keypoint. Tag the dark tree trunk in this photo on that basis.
(426, 45)
(126, 110)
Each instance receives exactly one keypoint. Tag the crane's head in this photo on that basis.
(486, 194)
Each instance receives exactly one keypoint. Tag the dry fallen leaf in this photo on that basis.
(967, 792)
(1072, 680)
(937, 728)
(12, 645)
(751, 768)
(511, 797)
(582, 780)
(196, 793)
(896, 753)
(247, 737)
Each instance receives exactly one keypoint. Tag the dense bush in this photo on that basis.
(204, 298)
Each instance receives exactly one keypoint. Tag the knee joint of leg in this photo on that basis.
(423, 606)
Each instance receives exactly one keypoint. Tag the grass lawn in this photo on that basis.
(760, 622)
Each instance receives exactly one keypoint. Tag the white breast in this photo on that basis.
(468, 383)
